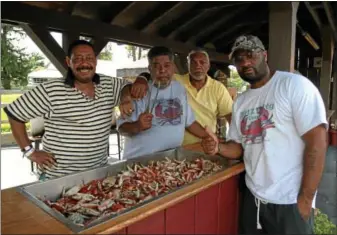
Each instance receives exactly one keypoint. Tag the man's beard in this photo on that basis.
(162, 84)
(198, 77)
(259, 74)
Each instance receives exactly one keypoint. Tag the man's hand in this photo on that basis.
(210, 143)
(139, 88)
(126, 107)
(43, 159)
(145, 121)
(304, 207)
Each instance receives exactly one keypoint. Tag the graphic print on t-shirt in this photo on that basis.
(254, 123)
(168, 112)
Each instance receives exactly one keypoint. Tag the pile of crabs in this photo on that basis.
(83, 204)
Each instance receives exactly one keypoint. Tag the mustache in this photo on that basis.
(247, 68)
(85, 67)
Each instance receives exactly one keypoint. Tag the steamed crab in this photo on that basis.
(85, 203)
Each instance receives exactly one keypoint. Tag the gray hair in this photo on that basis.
(199, 50)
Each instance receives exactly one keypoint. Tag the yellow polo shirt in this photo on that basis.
(211, 101)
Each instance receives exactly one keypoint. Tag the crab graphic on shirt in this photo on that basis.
(254, 125)
(168, 112)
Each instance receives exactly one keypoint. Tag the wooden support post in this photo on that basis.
(334, 94)
(282, 29)
(326, 72)
(67, 38)
(181, 63)
(99, 43)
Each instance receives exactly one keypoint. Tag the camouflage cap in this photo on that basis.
(248, 42)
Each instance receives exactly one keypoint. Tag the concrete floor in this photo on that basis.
(327, 191)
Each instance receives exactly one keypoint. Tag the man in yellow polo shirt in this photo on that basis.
(208, 98)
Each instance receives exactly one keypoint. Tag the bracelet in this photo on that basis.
(141, 76)
(28, 153)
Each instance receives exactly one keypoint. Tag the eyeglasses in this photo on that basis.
(79, 59)
(247, 55)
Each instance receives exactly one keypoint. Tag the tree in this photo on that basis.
(16, 64)
(132, 52)
(236, 81)
(106, 53)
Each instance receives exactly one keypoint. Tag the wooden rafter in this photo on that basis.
(208, 32)
(229, 39)
(215, 5)
(109, 14)
(245, 25)
(171, 29)
(19, 12)
(314, 15)
(157, 13)
(47, 44)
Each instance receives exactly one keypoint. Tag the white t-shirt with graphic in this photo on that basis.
(269, 122)
(171, 115)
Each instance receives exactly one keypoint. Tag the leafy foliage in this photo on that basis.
(16, 64)
(136, 53)
(106, 53)
(235, 81)
(323, 225)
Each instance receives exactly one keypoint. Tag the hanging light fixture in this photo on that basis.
(308, 37)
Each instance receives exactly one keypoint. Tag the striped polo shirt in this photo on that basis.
(77, 127)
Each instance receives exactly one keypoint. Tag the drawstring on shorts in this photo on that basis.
(257, 203)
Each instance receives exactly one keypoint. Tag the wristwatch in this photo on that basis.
(28, 151)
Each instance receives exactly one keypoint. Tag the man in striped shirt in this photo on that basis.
(77, 111)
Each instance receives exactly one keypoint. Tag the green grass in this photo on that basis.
(7, 99)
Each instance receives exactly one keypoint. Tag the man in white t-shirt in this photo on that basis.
(160, 118)
(279, 126)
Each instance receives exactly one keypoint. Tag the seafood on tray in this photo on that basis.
(83, 204)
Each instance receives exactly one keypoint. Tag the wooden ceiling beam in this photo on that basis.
(171, 29)
(205, 35)
(229, 40)
(314, 15)
(48, 45)
(157, 13)
(109, 14)
(215, 5)
(246, 25)
(52, 20)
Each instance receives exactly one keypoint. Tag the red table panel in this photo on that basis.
(180, 217)
(206, 211)
(228, 206)
(154, 224)
(122, 231)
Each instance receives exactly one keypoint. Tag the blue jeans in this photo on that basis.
(42, 177)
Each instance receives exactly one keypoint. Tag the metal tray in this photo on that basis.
(52, 189)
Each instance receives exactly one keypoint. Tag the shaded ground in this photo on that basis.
(327, 191)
